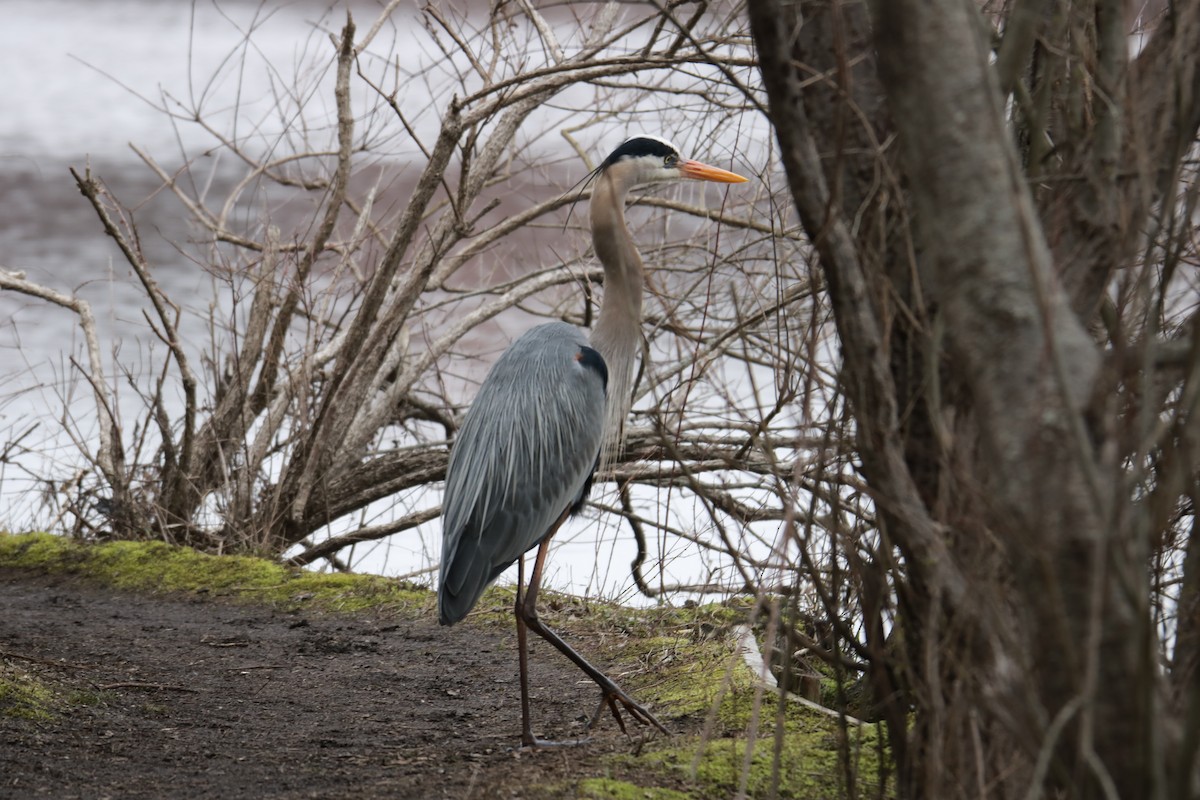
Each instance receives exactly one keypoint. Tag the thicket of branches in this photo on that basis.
(396, 220)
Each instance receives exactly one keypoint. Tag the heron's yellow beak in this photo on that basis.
(703, 172)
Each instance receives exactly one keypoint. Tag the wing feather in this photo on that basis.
(525, 453)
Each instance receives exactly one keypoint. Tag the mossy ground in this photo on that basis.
(160, 567)
(30, 692)
(23, 694)
(679, 661)
(795, 752)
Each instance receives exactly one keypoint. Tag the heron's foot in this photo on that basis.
(614, 699)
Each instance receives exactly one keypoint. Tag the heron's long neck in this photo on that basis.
(618, 329)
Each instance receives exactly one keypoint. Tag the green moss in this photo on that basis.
(30, 549)
(25, 696)
(691, 676)
(156, 566)
(810, 762)
(707, 678)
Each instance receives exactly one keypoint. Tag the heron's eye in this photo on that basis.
(670, 161)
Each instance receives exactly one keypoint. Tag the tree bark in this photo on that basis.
(983, 404)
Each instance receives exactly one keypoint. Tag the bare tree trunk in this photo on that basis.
(985, 413)
(1031, 370)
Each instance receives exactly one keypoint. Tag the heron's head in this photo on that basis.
(646, 159)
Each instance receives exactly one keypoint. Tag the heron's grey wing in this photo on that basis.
(527, 447)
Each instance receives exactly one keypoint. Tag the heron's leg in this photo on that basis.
(611, 694)
(527, 737)
(528, 740)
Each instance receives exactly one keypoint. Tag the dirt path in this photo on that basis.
(186, 697)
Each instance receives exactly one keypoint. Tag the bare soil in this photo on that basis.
(188, 696)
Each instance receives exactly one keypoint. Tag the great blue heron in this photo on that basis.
(524, 458)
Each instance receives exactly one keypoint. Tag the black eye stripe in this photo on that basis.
(642, 146)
